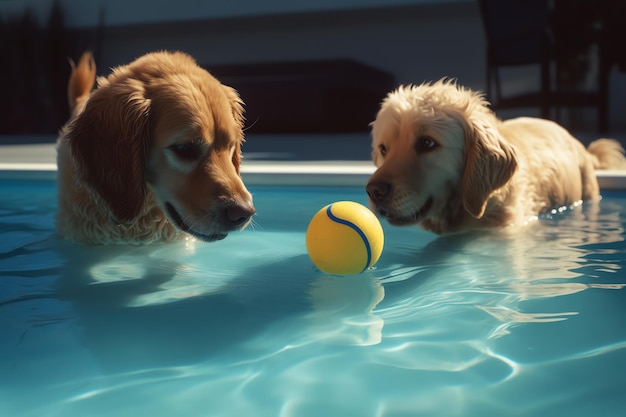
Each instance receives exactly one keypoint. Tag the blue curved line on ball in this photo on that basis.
(356, 229)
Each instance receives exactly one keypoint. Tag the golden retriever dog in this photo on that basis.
(152, 154)
(446, 162)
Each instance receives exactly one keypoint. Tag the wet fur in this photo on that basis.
(482, 172)
(123, 174)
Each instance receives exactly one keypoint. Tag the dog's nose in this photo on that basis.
(239, 214)
(378, 191)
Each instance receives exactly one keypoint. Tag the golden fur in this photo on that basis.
(446, 162)
(151, 155)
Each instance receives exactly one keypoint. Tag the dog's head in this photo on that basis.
(164, 125)
(438, 153)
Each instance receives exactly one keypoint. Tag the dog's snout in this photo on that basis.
(378, 191)
(239, 214)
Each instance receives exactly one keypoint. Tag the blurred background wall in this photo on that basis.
(385, 43)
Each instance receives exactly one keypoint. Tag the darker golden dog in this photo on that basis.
(151, 155)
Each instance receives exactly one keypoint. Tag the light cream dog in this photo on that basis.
(151, 155)
(446, 162)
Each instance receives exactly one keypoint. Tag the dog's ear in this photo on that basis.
(109, 142)
(236, 105)
(489, 164)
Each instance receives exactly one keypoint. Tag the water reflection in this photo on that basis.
(501, 272)
(343, 309)
(250, 325)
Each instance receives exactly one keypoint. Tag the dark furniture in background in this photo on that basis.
(325, 96)
(34, 61)
(568, 40)
(35, 70)
(307, 96)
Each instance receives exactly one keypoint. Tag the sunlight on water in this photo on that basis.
(488, 324)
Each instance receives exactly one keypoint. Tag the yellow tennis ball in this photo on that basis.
(344, 238)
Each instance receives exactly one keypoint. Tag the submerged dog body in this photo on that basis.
(446, 162)
(151, 155)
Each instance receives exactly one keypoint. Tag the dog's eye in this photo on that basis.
(382, 149)
(187, 151)
(425, 144)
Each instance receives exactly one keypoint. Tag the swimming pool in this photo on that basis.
(482, 325)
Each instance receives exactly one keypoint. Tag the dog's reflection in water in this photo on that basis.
(344, 309)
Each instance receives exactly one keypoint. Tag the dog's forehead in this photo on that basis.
(397, 123)
(216, 118)
(200, 109)
(402, 121)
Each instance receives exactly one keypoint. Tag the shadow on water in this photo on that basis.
(139, 308)
(93, 325)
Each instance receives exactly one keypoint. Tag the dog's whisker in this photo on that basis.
(199, 221)
(246, 128)
(253, 225)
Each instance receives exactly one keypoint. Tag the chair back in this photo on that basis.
(517, 31)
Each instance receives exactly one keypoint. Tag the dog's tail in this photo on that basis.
(81, 82)
(608, 154)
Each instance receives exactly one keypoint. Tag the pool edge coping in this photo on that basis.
(313, 173)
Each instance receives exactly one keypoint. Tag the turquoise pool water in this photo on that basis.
(481, 325)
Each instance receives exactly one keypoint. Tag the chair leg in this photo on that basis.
(496, 76)
(603, 118)
(603, 106)
(545, 88)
